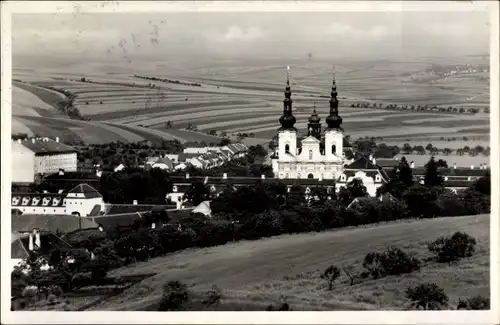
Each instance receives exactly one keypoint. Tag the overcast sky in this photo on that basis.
(272, 34)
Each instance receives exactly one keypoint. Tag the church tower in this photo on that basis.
(334, 134)
(314, 125)
(287, 133)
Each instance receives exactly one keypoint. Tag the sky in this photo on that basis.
(371, 35)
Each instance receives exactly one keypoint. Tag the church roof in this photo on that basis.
(362, 163)
(310, 139)
(88, 191)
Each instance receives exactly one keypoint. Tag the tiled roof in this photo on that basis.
(47, 147)
(132, 208)
(128, 219)
(385, 163)
(361, 163)
(458, 183)
(165, 161)
(73, 176)
(179, 180)
(20, 244)
(88, 191)
(37, 199)
(464, 172)
(51, 223)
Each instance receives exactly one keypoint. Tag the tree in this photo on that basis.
(404, 172)
(351, 272)
(197, 193)
(449, 249)
(428, 147)
(427, 296)
(474, 303)
(432, 177)
(330, 275)
(175, 295)
(447, 151)
(442, 163)
(483, 185)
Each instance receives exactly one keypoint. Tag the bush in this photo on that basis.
(474, 303)
(280, 307)
(330, 275)
(428, 296)
(212, 297)
(392, 261)
(175, 295)
(449, 249)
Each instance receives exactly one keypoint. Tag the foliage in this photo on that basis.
(352, 273)
(212, 297)
(175, 295)
(392, 261)
(428, 296)
(483, 185)
(432, 177)
(474, 303)
(147, 187)
(449, 249)
(476, 202)
(331, 274)
(197, 193)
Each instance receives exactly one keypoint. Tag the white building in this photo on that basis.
(79, 201)
(40, 156)
(321, 154)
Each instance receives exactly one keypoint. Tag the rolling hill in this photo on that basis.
(258, 273)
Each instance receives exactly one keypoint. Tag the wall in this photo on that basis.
(82, 205)
(23, 164)
(52, 163)
(42, 209)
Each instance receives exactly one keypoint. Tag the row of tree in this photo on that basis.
(425, 108)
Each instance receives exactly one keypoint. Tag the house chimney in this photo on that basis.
(370, 157)
(263, 176)
(57, 139)
(33, 140)
(153, 225)
(374, 161)
(134, 202)
(471, 166)
(98, 173)
(30, 244)
(45, 191)
(454, 165)
(224, 176)
(38, 241)
(187, 175)
(412, 165)
(19, 141)
(61, 171)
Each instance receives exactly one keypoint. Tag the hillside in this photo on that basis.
(258, 272)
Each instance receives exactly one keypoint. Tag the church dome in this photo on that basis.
(334, 121)
(314, 118)
(287, 121)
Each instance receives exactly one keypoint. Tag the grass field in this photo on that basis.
(247, 97)
(259, 272)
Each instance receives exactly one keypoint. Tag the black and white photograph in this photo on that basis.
(210, 158)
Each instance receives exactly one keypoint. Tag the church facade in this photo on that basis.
(321, 154)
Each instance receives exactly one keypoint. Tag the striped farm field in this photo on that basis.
(247, 98)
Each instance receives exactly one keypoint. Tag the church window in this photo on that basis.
(287, 148)
(310, 176)
(342, 178)
(377, 178)
(310, 154)
(286, 175)
(334, 148)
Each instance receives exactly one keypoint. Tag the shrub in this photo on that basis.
(449, 249)
(330, 275)
(428, 296)
(474, 303)
(352, 273)
(175, 295)
(392, 261)
(280, 307)
(212, 297)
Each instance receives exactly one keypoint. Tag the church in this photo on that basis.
(322, 153)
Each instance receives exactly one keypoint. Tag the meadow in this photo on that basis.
(246, 97)
(259, 273)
